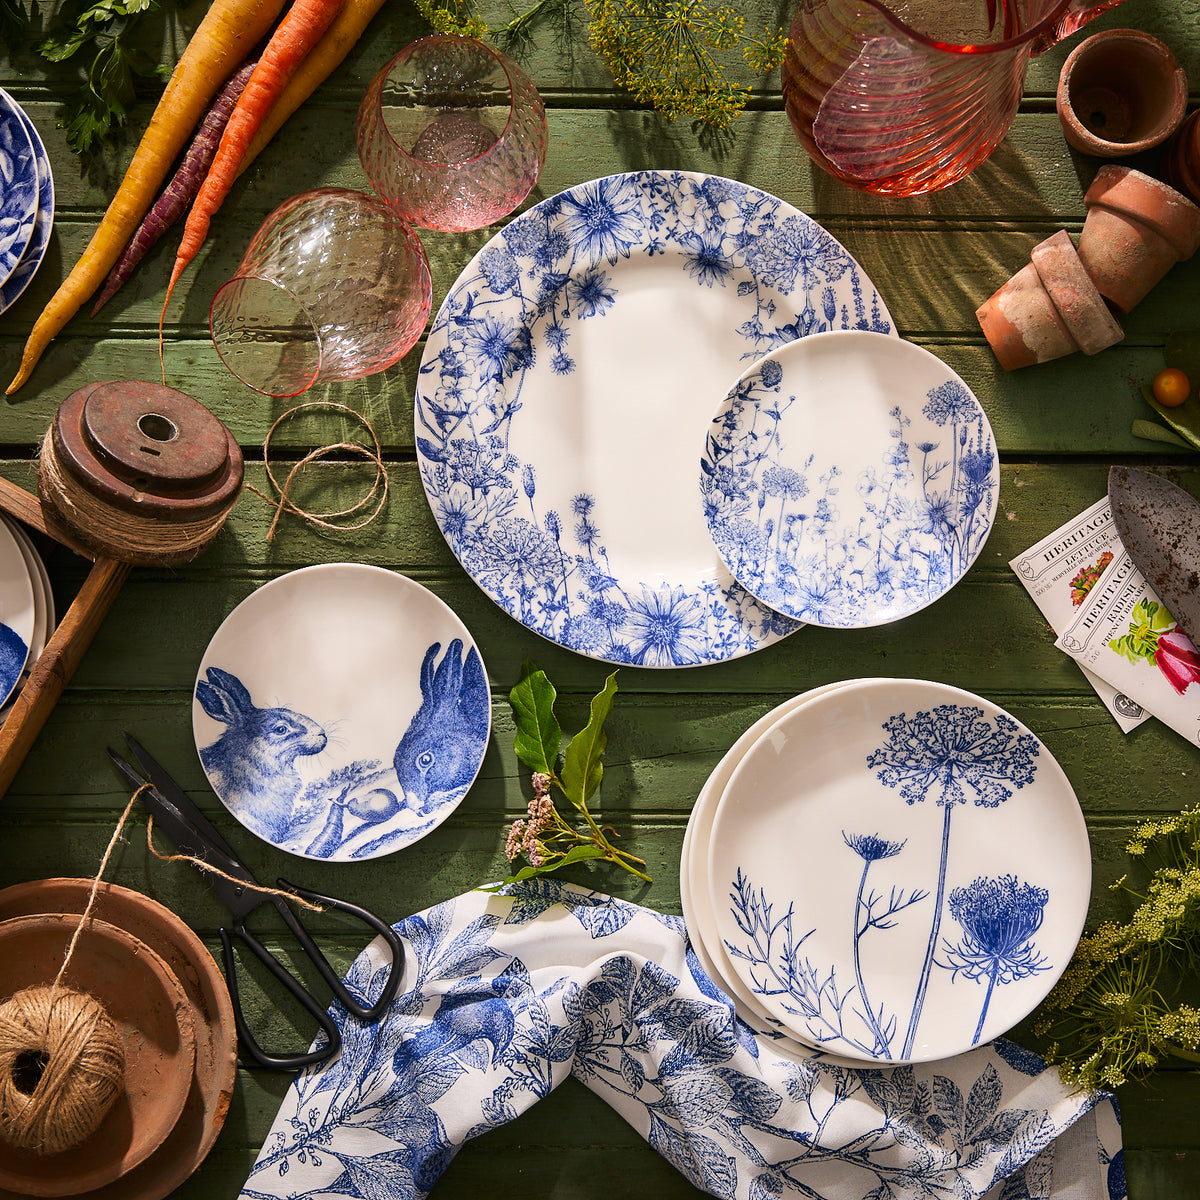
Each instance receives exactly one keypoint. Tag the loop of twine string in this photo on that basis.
(331, 519)
(200, 863)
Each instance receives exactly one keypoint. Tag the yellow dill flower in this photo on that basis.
(1123, 1003)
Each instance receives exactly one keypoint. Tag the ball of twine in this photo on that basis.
(62, 1065)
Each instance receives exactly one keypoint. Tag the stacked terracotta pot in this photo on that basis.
(1120, 91)
(1064, 300)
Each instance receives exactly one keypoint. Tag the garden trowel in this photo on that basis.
(1159, 524)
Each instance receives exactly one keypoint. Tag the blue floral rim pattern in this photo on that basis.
(514, 322)
(18, 186)
(43, 222)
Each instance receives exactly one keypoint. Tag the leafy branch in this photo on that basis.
(545, 838)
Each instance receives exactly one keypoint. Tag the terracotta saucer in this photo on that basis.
(150, 1009)
(216, 1035)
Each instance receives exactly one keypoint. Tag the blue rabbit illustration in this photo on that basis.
(440, 751)
(251, 763)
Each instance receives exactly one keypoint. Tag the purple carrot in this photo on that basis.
(184, 185)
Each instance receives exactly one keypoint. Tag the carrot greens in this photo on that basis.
(101, 33)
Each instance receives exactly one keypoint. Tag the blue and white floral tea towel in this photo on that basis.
(504, 995)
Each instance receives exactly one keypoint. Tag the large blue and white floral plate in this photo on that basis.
(568, 378)
(18, 185)
(43, 221)
(341, 711)
(849, 479)
(899, 871)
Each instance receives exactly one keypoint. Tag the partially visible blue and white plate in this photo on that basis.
(341, 711)
(17, 612)
(567, 379)
(849, 479)
(43, 222)
(18, 185)
(899, 871)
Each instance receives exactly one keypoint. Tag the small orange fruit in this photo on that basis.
(1171, 387)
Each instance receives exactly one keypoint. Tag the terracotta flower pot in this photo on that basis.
(1047, 309)
(1137, 228)
(1181, 164)
(1119, 92)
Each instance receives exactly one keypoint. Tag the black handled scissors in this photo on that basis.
(195, 836)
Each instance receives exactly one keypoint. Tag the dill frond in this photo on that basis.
(677, 56)
(1120, 1007)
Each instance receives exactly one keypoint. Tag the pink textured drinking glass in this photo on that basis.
(452, 133)
(333, 286)
(907, 97)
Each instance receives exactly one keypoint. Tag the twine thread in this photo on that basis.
(116, 532)
(62, 1060)
(65, 1044)
(327, 520)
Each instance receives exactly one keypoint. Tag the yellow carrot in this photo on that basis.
(222, 40)
(325, 56)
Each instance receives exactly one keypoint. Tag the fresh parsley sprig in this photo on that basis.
(544, 837)
(101, 33)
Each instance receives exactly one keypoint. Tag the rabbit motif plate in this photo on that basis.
(341, 711)
(849, 479)
(565, 387)
(898, 871)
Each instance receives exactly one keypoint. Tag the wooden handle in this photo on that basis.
(26, 507)
(57, 663)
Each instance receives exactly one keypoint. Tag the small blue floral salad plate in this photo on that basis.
(849, 479)
(341, 711)
(18, 614)
(899, 871)
(18, 186)
(43, 220)
(567, 379)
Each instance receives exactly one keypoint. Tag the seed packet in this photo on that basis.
(1058, 572)
(1125, 634)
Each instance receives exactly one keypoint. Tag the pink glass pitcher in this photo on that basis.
(907, 97)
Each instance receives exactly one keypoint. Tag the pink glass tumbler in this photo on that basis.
(905, 104)
(452, 134)
(333, 286)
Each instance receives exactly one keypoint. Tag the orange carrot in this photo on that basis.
(300, 29)
(223, 38)
(324, 58)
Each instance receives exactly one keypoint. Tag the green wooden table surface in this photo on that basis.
(1058, 426)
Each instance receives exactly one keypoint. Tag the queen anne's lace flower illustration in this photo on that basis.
(999, 918)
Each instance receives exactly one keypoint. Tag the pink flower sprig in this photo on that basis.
(544, 837)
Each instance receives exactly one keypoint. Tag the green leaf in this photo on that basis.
(574, 855)
(582, 768)
(1151, 431)
(539, 734)
(1185, 419)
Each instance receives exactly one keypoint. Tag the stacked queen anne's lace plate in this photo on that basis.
(26, 609)
(886, 871)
